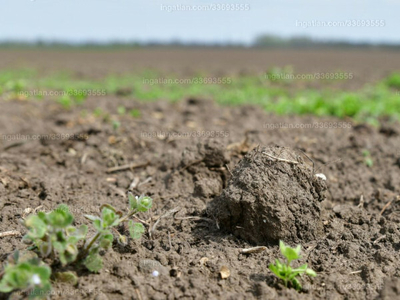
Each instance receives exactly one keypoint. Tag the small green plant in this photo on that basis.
(285, 272)
(66, 101)
(110, 218)
(393, 80)
(135, 113)
(53, 236)
(98, 112)
(367, 158)
(116, 124)
(121, 110)
(15, 86)
(27, 274)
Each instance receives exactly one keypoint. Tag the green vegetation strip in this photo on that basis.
(280, 96)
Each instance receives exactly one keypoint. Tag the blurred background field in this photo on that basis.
(356, 83)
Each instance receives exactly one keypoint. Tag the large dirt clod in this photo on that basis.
(269, 199)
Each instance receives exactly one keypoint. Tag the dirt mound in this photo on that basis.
(271, 196)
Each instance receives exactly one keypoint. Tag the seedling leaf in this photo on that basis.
(132, 201)
(106, 240)
(60, 217)
(66, 277)
(92, 218)
(311, 272)
(275, 270)
(296, 284)
(143, 203)
(135, 229)
(81, 232)
(290, 254)
(37, 228)
(109, 217)
(93, 262)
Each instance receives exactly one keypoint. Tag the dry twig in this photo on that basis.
(379, 239)
(227, 167)
(138, 294)
(196, 218)
(10, 233)
(134, 183)
(253, 250)
(280, 159)
(361, 203)
(126, 167)
(147, 180)
(385, 207)
(169, 240)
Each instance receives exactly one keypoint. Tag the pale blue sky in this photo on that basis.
(143, 20)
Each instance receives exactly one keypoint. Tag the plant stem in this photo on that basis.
(123, 219)
(87, 248)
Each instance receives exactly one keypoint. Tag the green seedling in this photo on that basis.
(53, 233)
(15, 86)
(393, 80)
(27, 274)
(78, 96)
(98, 112)
(109, 219)
(121, 110)
(285, 271)
(116, 124)
(135, 113)
(66, 101)
(367, 158)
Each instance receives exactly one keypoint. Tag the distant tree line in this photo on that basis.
(274, 41)
(262, 41)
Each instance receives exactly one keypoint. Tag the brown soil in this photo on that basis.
(356, 250)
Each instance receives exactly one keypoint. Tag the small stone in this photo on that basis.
(224, 272)
(203, 261)
(149, 266)
(321, 176)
